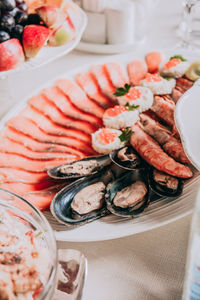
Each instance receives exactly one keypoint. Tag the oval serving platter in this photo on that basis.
(49, 54)
(158, 213)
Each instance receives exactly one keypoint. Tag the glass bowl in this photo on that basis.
(23, 212)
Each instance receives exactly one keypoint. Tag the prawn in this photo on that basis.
(164, 137)
(150, 151)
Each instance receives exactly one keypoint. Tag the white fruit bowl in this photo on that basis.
(49, 54)
(187, 118)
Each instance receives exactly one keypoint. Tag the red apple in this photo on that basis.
(34, 38)
(11, 54)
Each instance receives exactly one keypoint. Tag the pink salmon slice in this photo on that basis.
(80, 100)
(51, 128)
(8, 146)
(62, 102)
(8, 160)
(153, 61)
(116, 74)
(36, 146)
(104, 81)
(42, 199)
(27, 127)
(90, 86)
(137, 70)
(16, 175)
(47, 108)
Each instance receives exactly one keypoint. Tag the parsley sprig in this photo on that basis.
(178, 56)
(131, 107)
(168, 77)
(122, 90)
(126, 134)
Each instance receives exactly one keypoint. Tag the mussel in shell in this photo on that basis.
(82, 201)
(126, 158)
(128, 195)
(164, 184)
(80, 168)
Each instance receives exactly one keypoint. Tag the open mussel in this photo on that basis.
(128, 195)
(80, 168)
(164, 184)
(127, 158)
(82, 201)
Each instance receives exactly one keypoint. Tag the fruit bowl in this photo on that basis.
(47, 53)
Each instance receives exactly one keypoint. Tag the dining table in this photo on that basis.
(148, 265)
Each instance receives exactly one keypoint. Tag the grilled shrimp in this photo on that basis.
(176, 94)
(184, 84)
(165, 138)
(164, 109)
(150, 151)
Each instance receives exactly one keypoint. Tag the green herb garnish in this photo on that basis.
(178, 56)
(168, 77)
(126, 134)
(131, 107)
(122, 90)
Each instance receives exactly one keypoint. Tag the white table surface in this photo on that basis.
(148, 265)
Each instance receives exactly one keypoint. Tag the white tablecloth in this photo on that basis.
(148, 265)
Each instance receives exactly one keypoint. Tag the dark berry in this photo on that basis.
(7, 4)
(17, 32)
(21, 18)
(12, 12)
(7, 23)
(34, 19)
(23, 7)
(4, 36)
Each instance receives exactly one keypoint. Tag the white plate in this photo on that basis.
(187, 120)
(111, 227)
(48, 54)
(105, 48)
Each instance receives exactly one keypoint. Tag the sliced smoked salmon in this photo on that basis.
(104, 81)
(80, 100)
(42, 199)
(46, 107)
(34, 145)
(17, 175)
(8, 160)
(116, 74)
(90, 86)
(137, 70)
(28, 128)
(153, 61)
(62, 102)
(51, 128)
(8, 146)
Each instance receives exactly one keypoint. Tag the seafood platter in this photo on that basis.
(99, 146)
(33, 33)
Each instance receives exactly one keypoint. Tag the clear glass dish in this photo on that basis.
(23, 212)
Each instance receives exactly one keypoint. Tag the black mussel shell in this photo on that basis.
(127, 158)
(61, 204)
(94, 165)
(167, 185)
(121, 183)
